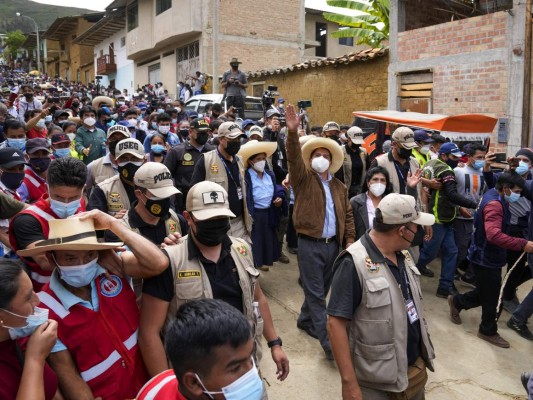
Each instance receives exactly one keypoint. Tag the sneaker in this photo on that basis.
(468, 281)
(426, 272)
(521, 329)
(524, 378)
(283, 258)
(264, 268)
(495, 339)
(292, 250)
(454, 312)
(511, 305)
(309, 329)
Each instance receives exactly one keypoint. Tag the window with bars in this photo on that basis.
(162, 6)
(187, 52)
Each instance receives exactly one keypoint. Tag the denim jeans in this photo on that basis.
(443, 239)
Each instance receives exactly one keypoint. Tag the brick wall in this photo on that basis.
(464, 36)
(335, 91)
(423, 13)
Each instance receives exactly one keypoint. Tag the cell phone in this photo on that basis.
(500, 157)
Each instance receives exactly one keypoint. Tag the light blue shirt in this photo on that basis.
(172, 139)
(262, 189)
(330, 222)
(68, 300)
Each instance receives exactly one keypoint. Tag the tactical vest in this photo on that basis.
(215, 171)
(172, 223)
(378, 330)
(347, 167)
(116, 195)
(191, 283)
(100, 171)
(383, 161)
(439, 203)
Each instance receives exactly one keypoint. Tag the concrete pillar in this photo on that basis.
(397, 24)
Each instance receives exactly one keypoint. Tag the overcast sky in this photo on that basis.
(98, 5)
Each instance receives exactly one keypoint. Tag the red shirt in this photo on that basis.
(34, 133)
(163, 386)
(11, 373)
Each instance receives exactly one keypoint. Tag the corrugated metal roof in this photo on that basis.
(363, 55)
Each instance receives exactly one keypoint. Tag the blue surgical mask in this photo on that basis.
(513, 197)
(18, 144)
(33, 321)
(154, 125)
(79, 275)
(160, 111)
(61, 153)
(249, 387)
(48, 118)
(158, 148)
(64, 210)
(478, 164)
(522, 168)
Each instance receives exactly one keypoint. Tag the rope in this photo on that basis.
(499, 306)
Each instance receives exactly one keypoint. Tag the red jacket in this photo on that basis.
(103, 343)
(163, 386)
(35, 184)
(43, 213)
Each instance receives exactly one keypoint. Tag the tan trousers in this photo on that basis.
(238, 229)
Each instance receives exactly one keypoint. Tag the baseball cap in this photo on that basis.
(207, 200)
(192, 114)
(156, 178)
(36, 144)
(10, 157)
(247, 122)
(200, 124)
(398, 209)
(118, 128)
(422, 136)
(331, 126)
(60, 138)
(405, 137)
(256, 130)
(356, 135)
(281, 100)
(129, 146)
(59, 113)
(230, 130)
(270, 113)
(451, 148)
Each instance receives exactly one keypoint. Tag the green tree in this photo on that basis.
(14, 41)
(370, 28)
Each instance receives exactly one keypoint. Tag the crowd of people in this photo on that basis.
(133, 233)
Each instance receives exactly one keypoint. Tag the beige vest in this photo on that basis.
(100, 171)
(215, 171)
(117, 197)
(347, 167)
(172, 224)
(383, 161)
(378, 330)
(191, 283)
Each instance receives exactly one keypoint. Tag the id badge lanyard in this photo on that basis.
(410, 307)
(228, 172)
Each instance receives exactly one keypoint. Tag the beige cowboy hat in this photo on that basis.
(235, 60)
(304, 139)
(102, 99)
(333, 147)
(69, 234)
(254, 147)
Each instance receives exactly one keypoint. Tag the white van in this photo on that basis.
(253, 107)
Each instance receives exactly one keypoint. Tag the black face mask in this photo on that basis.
(212, 231)
(404, 153)
(113, 147)
(40, 164)
(12, 180)
(158, 208)
(201, 138)
(452, 163)
(233, 148)
(418, 239)
(28, 96)
(184, 133)
(75, 105)
(128, 171)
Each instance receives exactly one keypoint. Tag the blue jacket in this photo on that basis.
(482, 252)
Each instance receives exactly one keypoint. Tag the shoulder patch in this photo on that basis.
(242, 250)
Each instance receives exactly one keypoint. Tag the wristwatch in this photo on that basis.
(275, 342)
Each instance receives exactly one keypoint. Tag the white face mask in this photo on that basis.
(90, 121)
(132, 122)
(320, 164)
(377, 189)
(424, 149)
(178, 109)
(259, 166)
(164, 129)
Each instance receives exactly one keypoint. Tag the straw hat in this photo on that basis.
(304, 139)
(254, 147)
(333, 147)
(102, 99)
(69, 234)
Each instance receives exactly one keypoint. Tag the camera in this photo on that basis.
(304, 103)
(268, 96)
(98, 77)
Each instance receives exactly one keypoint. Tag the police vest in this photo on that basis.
(103, 343)
(43, 213)
(100, 171)
(378, 330)
(439, 203)
(35, 184)
(383, 161)
(191, 282)
(347, 167)
(215, 171)
(172, 223)
(116, 195)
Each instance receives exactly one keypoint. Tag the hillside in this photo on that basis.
(43, 14)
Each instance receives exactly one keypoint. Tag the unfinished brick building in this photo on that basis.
(464, 56)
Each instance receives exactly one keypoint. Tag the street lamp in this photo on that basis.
(37, 34)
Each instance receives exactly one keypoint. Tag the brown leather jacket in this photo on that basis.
(309, 204)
